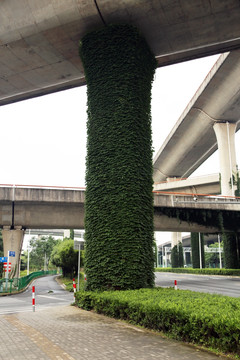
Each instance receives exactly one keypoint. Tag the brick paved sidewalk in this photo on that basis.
(68, 333)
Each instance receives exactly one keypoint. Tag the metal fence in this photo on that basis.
(9, 286)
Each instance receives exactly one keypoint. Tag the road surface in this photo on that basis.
(223, 285)
(48, 293)
(57, 331)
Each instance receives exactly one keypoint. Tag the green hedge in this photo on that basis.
(119, 69)
(226, 272)
(203, 319)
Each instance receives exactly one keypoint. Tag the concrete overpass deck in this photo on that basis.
(192, 140)
(63, 208)
(207, 184)
(39, 39)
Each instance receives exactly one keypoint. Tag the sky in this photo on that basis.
(43, 140)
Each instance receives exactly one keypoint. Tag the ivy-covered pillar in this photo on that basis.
(231, 250)
(196, 250)
(119, 69)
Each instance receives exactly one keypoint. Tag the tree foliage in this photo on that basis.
(72, 234)
(66, 257)
(41, 250)
(119, 201)
(212, 258)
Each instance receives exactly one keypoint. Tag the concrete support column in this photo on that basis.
(176, 238)
(12, 241)
(225, 133)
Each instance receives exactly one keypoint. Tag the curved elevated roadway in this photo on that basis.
(39, 39)
(192, 139)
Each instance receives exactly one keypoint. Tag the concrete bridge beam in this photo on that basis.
(12, 241)
(225, 133)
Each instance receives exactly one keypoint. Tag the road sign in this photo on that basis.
(12, 253)
(3, 259)
(5, 266)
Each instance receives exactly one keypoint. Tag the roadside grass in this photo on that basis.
(206, 320)
(205, 271)
(68, 282)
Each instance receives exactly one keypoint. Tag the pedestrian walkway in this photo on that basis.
(69, 333)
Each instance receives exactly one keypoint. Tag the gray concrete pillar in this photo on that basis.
(225, 133)
(176, 238)
(12, 241)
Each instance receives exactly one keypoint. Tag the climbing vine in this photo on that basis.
(177, 256)
(196, 250)
(119, 69)
(220, 219)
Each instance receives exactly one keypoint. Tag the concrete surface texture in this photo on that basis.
(192, 139)
(34, 208)
(68, 333)
(39, 39)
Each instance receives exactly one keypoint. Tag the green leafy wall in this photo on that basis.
(119, 69)
(177, 256)
(174, 257)
(195, 250)
(231, 251)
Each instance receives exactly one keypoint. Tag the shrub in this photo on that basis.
(203, 319)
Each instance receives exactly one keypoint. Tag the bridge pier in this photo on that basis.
(176, 238)
(12, 241)
(225, 133)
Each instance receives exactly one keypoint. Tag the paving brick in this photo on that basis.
(69, 333)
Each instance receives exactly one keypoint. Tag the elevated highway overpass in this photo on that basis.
(192, 139)
(24, 207)
(63, 208)
(206, 184)
(39, 39)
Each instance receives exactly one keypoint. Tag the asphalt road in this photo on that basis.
(223, 285)
(48, 293)
(68, 333)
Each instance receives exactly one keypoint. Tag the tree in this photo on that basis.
(72, 234)
(66, 257)
(212, 258)
(195, 250)
(41, 250)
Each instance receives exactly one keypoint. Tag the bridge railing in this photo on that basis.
(191, 197)
(17, 284)
(53, 187)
